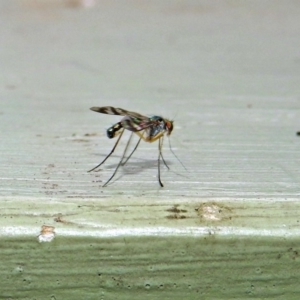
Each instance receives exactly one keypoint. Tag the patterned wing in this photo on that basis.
(109, 110)
(133, 121)
(136, 124)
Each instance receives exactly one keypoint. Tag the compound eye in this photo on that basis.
(169, 126)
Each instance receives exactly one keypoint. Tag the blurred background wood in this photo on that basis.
(227, 72)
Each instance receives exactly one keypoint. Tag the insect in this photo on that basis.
(148, 129)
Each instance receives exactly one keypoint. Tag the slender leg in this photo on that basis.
(161, 144)
(123, 164)
(120, 162)
(158, 161)
(111, 152)
(125, 150)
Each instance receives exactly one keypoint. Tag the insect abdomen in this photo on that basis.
(111, 131)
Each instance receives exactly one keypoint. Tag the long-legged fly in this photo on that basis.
(148, 129)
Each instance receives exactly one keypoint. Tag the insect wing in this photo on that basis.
(110, 110)
(136, 124)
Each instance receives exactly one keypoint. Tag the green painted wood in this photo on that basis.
(150, 268)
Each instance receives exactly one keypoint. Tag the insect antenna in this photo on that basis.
(111, 152)
(176, 155)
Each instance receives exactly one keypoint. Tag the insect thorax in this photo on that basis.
(159, 126)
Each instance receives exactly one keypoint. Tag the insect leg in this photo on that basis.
(162, 139)
(158, 161)
(111, 152)
(133, 149)
(120, 162)
(125, 150)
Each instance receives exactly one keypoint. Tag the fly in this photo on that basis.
(148, 129)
